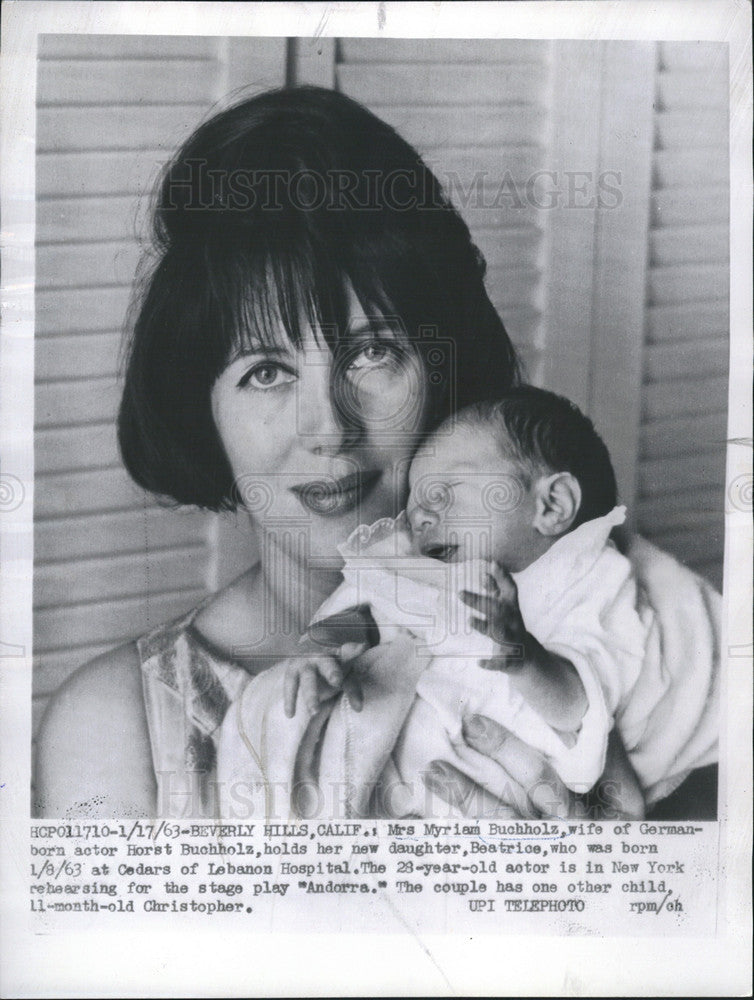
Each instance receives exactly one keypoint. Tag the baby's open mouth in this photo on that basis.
(445, 553)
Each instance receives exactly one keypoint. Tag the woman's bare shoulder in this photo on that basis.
(93, 751)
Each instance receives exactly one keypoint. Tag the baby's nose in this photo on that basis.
(420, 519)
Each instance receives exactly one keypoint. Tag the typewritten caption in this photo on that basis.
(555, 876)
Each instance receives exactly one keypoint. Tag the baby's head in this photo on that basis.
(504, 480)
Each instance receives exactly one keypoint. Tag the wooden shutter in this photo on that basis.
(108, 562)
(624, 309)
(681, 468)
(476, 110)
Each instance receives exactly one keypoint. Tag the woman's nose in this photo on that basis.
(319, 425)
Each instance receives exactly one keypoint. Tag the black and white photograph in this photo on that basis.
(413, 254)
(386, 393)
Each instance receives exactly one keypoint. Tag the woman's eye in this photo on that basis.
(372, 354)
(266, 375)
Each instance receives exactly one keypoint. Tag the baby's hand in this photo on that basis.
(317, 677)
(500, 619)
(549, 682)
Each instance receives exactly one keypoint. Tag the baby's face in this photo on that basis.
(468, 501)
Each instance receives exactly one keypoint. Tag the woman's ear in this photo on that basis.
(557, 502)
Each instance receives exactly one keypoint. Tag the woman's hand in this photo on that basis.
(524, 785)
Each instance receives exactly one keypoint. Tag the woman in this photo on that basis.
(317, 306)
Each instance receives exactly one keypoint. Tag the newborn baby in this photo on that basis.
(518, 607)
(502, 571)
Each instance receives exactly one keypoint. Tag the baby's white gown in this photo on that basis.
(579, 600)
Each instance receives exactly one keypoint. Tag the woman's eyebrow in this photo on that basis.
(367, 325)
(252, 349)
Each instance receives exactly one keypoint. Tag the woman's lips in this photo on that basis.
(330, 497)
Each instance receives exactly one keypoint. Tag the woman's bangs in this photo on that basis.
(268, 293)
(273, 297)
(381, 312)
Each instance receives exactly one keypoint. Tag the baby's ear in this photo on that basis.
(557, 503)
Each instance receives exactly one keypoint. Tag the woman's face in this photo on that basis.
(317, 451)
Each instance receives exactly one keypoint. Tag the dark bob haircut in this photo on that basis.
(263, 217)
(544, 432)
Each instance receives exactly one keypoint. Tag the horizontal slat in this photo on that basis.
(706, 87)
(688, 283)
(689, 244)
(513, 286)
(74, 311)
(686, 321)
(508, 208)
(428, 127)
(380, 83)
(702, 544)
(508, 247)
(682, 396)
(53, 668)
(79, 492)
(111, 621)
(64, 129)
(66, 449)
(677, 475)
(142, 530)
(118, 576)
(70, 174)
(76, 402)
(680, 168)
(61, 220)
(86, 265)
(687, 206)
(691, 129)
(683, 435)
(693, 360)
(674, 511)
(126, 46)
(696, 56)
(522, 325)
(77, 355)
(125, 81)
(444, 50)
(469, 175)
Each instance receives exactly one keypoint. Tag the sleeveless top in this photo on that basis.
(188, 687)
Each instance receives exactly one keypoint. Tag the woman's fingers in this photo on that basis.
(463, 794)
(353, 691)
(527, 767)
(501, 582)
(331, 670)
(618, 794)
(483, 604)
(350, 650)
(290, 691)
(302, 680)
(309, 687)
(480, 625)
